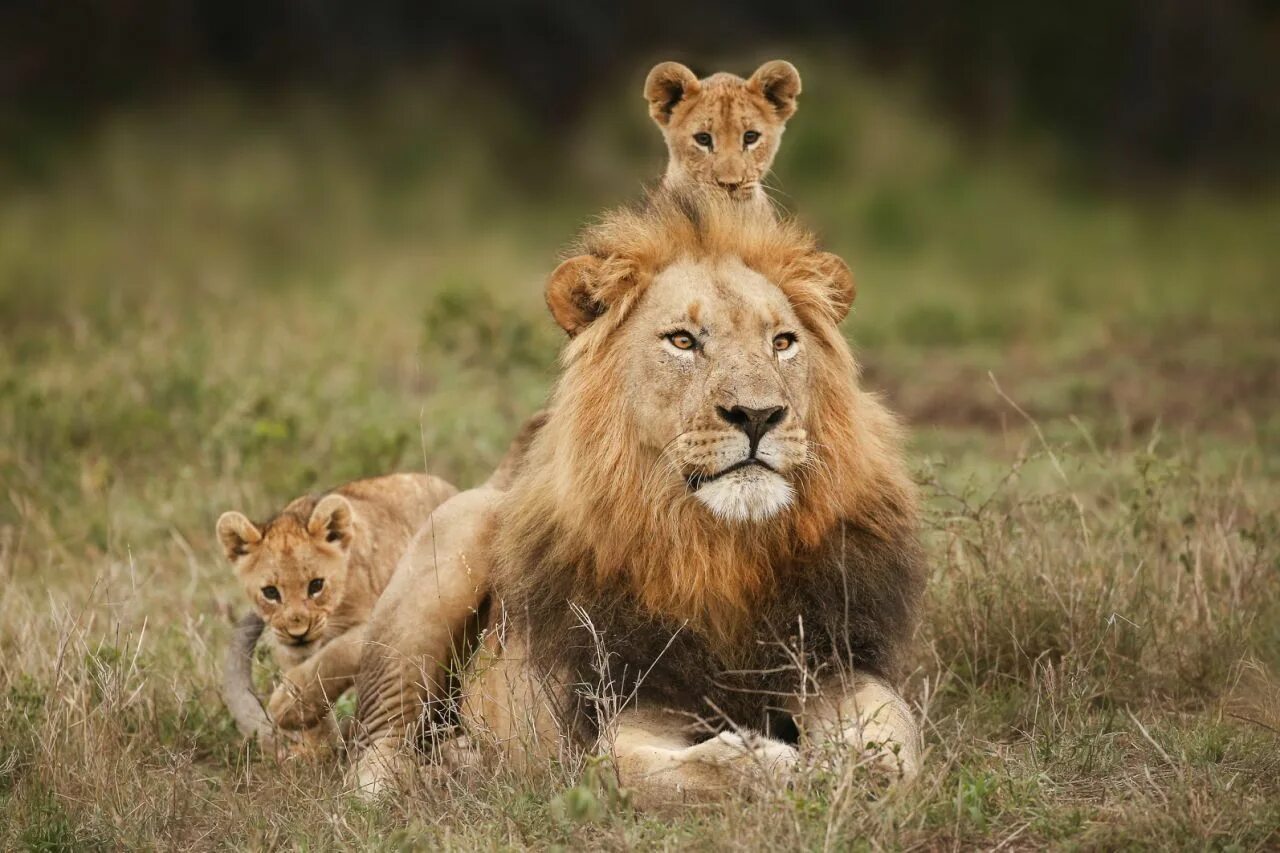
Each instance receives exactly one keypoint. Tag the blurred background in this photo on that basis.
(307, 240)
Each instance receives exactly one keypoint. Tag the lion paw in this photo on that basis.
(769, 754)
(459, 754)
(884, 753)
(383, 768)
(890, 759)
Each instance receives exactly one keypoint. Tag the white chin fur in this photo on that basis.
(749, 494)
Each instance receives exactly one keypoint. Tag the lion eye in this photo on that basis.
(270, 593)
(682, 340)
(313, 588)
(750, 137)
(703, 139)
(784, 342)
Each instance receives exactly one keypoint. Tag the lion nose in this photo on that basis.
(754, 422)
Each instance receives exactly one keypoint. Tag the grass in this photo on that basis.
(222, 303)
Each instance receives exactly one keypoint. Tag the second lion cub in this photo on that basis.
(722, 131)
(313, 573)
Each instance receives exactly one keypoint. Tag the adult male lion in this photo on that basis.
(708, 544)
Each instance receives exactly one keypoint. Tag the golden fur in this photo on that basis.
(631, 522)
(347, 544)
(722, 131)
(602, 525)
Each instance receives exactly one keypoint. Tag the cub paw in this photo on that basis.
(288, 709)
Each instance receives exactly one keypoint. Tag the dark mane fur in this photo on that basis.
(850, 604)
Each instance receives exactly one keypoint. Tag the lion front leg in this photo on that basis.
(418, 628)
(659, 762)
(867, 714)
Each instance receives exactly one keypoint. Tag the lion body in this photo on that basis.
(625, 612)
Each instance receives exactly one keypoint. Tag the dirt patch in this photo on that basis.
(1204, 382)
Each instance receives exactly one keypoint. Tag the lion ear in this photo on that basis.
(667, 85)
(778, 82)
(237, 535)
(573, 293)
(331, 521)
(837, 276)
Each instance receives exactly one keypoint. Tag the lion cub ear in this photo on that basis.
(667, 85)
(572, 293)
(332, 521)
(779, 82)
(237, 535)
(837, 276)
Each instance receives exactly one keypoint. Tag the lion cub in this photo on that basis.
(313, 573)
(722, 131)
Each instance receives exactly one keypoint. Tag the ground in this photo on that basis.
(221, 304)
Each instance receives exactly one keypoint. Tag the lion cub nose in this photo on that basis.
(754, 422)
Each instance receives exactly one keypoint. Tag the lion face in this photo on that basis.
(707, 357)
(722, 131)
(293, 570)
(718, 379)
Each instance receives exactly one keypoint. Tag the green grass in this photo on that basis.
(222, 304)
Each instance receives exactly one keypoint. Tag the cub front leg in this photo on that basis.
(309, 689)
(867, 714)
(658, 761)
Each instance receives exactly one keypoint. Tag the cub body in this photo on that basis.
(722, 131)
(313, 573)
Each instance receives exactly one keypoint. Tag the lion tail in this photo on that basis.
(237, 681)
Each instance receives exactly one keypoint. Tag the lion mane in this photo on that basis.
(623, 586)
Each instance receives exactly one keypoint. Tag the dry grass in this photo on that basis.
(203, 308)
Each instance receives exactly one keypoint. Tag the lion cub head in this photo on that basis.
(722, 131)
(708, 332)
(293, 568)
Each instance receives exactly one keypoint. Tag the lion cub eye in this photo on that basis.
(703, 139)
(682, 340)
(750, 137)
(784, 344)
(313, 588)
(270, 593)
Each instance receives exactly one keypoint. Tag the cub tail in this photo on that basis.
(237, 682)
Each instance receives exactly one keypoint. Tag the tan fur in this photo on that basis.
(727, 108)
(637, 522)
(348, 540)
(421, 625)
(604, 505)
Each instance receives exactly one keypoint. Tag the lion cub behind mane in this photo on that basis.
(722, 131)
(313, 573)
